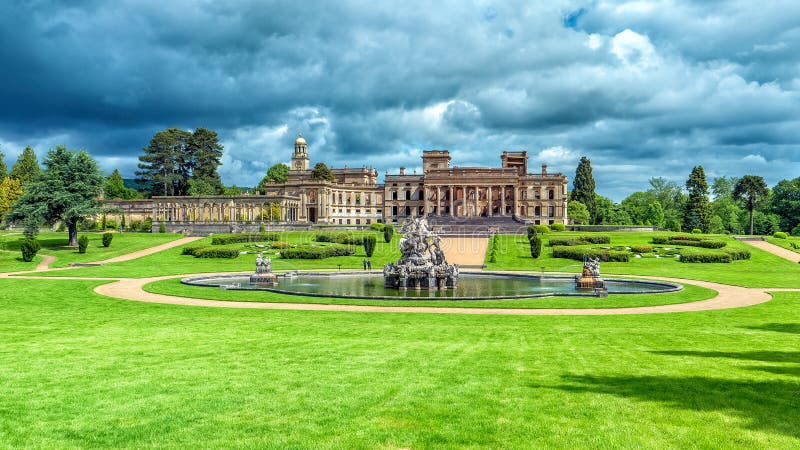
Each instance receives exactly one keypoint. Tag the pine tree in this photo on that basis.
(205, 153)
(698, 208)
(26, 168)
(115, 187)
(166, 165)
(753, 191)
(67, 190)
(583, 188)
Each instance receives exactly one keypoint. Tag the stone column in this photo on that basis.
(490, 202)
(425, 205)
(438, 200)
(452, 192)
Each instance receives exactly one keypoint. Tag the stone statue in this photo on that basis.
(423, 264)
(263, 275)
(590, 276)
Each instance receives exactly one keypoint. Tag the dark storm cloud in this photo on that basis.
(643, 88)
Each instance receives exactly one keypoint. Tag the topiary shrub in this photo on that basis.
(780, 235)
(641, 248)
(29, 248)
(565, 242)
(191, 249)
(369, 245)
(107, 238)
(536, 246)
(211, 252)
(596, 239)
(162, 228)
(558, 227)
(148, 225)
(280, 245)
(377, 226)
(388, 231)
(697, 231)
(313, 252)
(238, 238)
(542, 229)
(83, 243)
(577, 253)
(737, 254)
(261, 228)
(697, 256)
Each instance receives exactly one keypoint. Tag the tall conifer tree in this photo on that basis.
(698, 208)
(583, 188)
(26, 168)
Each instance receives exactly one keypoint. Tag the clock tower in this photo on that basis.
(300, 156)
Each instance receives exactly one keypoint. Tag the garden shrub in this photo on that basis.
(211, 252)
(565, 241)
(558, 227)
(224, 239)
(698, 256)
(690, 241)
(191, 249)
(536, 246)
(542, 229)
(314, 252)
(641, 248)
(780, 235)
(162, 228)
(377, 226)
(596, 239)
(280, 245)
(148, 225)
(83, 243)
(577, 253)
(581, 240)
(697, 231)
(29, 248)
(262, 228)
(796, 231)
(341, 237)
(388, 231)
(737, 254)
(531, 231)
(369, 245)
(107, 238)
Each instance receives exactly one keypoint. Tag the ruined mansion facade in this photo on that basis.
(442, 192)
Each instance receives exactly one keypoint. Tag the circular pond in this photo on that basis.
(471, 286)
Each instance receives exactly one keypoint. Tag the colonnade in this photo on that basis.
(225, 211)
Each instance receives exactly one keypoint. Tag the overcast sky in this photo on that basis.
(643, 89)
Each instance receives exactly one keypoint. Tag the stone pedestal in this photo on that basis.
(264, 279)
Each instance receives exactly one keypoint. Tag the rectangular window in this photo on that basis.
(358, 221)
(552, 212)
(348, 221)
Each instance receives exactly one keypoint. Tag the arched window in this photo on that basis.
(551, 194)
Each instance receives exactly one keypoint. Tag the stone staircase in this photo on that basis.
(476, 226)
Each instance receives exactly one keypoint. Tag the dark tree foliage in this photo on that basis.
(321, 172)
(29, 248)
(785, 203)
(698, 207)
(3, 167)
(536, 246)
(83, 244)
(115, 187)
(388, 231)
(369, 245)
(67, 190)
(164, 164)
(26, 168)
(753, 191)
(205, 156)
(583, 188)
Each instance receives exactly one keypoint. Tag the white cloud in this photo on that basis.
(754, 159)
(634, 49)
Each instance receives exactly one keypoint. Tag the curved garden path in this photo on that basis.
(774, 249)
(132, 289)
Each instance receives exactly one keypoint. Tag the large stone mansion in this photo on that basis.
(441, 192)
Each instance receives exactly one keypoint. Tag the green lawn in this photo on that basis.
(786, 243)
(687, 294)
(55, 244)
(762, 270)
(81, 370)
(171, 262)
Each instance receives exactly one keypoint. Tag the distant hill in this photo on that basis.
(132, 184)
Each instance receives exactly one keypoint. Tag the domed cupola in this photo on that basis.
(300, 157)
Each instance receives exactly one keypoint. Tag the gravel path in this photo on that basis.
(728, 297)
(775, 250)
(464, 251)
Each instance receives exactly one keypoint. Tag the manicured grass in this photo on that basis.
(687, 294)
(762, 270)
(171, 262)
(12, 262)
(786, 243)
(55, 244)
(81, 370)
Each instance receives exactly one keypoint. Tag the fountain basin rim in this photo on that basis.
(665, 285)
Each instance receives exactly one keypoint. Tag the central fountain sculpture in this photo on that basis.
(263, 275)
(590, 277)
(423, 265)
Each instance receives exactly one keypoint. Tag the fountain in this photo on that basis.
(590, 277)
(263, 275)
(423, 265)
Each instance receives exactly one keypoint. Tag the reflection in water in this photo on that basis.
(470, 285)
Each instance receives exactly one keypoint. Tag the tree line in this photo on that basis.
(727, 205)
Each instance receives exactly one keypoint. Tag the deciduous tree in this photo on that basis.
(321, 172)
(753, 191)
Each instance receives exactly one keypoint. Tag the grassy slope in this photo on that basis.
(80, 370)
(762, 270)
(171, 262)
(786, 243)
(687, 294)
(56, 244)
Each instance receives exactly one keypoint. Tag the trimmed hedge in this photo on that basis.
(280, 245)
(641, 248)
(377, 226)
(581, 240)
(542, 229)
(690, 241)
(210, 252)
(780, 235)
(696, 256)
(577, 253)
(737, 253)
(341, 237)
(558, 227)
(191, 249)
(223, 239)
(312, 252)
